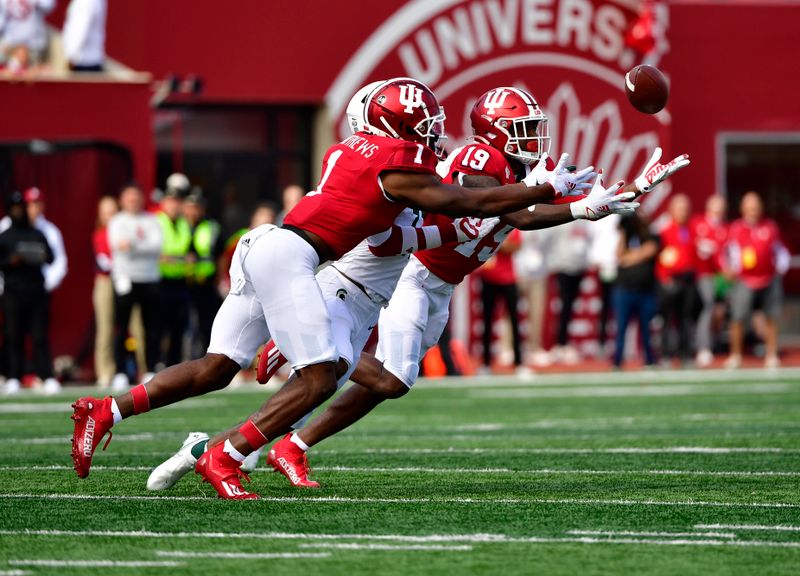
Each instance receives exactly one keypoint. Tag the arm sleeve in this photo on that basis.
(408, 239)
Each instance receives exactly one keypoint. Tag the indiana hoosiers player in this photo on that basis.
(510, 133)
(367, 180)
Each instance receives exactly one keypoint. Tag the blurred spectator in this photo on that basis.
(531, 269)
(499, 281)
(85, 35)
(235, 215)
(710, 232)
(264, 213)
(568, 257)
(635, 286)
(756, 258)
(291, 196)
(675, 271)
(177, 239)
(23, 32)
(205, 248)
(23, 251)
(603, 257)
(135, 239)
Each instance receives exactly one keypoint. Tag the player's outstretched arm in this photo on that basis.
(409, 239)
(654, 172)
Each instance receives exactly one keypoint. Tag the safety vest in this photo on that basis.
(204, 238)
(177, 240)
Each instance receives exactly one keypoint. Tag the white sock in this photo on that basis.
(295, 439)
(233, 452)
(115, 411)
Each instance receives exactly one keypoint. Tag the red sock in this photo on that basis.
(255, 438)
(141, 402)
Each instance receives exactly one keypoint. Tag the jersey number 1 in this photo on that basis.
(332, 159)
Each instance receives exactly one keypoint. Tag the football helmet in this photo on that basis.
(510, 120)
(405, 108)
(356, 111)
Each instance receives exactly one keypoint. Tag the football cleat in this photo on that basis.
(223, 473)
(269, 362)
(93, 418)
(167, 474)
(288, 459)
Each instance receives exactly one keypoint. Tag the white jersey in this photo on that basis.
(378, 275)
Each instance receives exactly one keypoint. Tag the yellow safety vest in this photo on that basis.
(177, 240)
(203, 239)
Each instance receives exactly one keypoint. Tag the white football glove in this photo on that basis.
(603, 201)
(564, 182)
(655, 173)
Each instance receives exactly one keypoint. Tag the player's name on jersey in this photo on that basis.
(361, 145)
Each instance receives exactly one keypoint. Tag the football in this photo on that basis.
(647, 89)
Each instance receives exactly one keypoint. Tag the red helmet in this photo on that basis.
(407, 109)
(510, 120)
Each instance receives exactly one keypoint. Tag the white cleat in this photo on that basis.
(251, 462)
(167, 474)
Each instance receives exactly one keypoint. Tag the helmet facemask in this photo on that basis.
(523, 134)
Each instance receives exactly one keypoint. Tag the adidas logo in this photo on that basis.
(290, 471)
(88, 437)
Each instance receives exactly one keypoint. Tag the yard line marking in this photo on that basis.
(99, 563)
(776, 528)
(68, 439)
(667, 542)
(629, 391)
(14, 573)
(424, 470)
(389, 547)
(620, 450)
(241, 555)
(649, 534)
(448, 500)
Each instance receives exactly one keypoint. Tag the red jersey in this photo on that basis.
(709, 237)
(452, 262)
(102, 251)
(752, 251)
(349, 203)
(677, 252)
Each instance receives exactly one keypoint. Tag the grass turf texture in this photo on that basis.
(606, 474)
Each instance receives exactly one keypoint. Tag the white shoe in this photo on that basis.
(733, 362)
(167, 474)
(483, 371)
(120, 382)
(51, 386)
(772, 362)
(251, 462)
(704, 358)
(12, 386)
(147, 377)
(524, 372)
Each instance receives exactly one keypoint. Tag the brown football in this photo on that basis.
(647, 89)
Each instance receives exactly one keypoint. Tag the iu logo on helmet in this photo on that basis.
(494, 100)
(410, 97)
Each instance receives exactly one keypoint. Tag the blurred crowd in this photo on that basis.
(161, 273)
(692, 285)
(27, 45)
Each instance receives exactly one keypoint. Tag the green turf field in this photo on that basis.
(649, 473)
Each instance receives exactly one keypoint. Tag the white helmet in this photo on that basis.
(178, 183)
(356, 108)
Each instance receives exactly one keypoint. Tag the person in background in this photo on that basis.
(134, 236)
(23, 252)
(177, 240)
(634, 290)
(710, 233)
(55, 272)
(84, 35)
(531, 269)
(499, 281)
(675, 270)
(201, 271)
(23, 42)
(265, 213)
(603, 257)
(291, 196)
(756, 258)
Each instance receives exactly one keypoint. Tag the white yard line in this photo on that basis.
(368, 501)
(68, 439)
(14, 573)
(619, 450)
(631, 391)
(98, 563)
(776, 528)
(390, 547)
(730, 535)
(668, 542)
(240, 555)
(425, 470)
